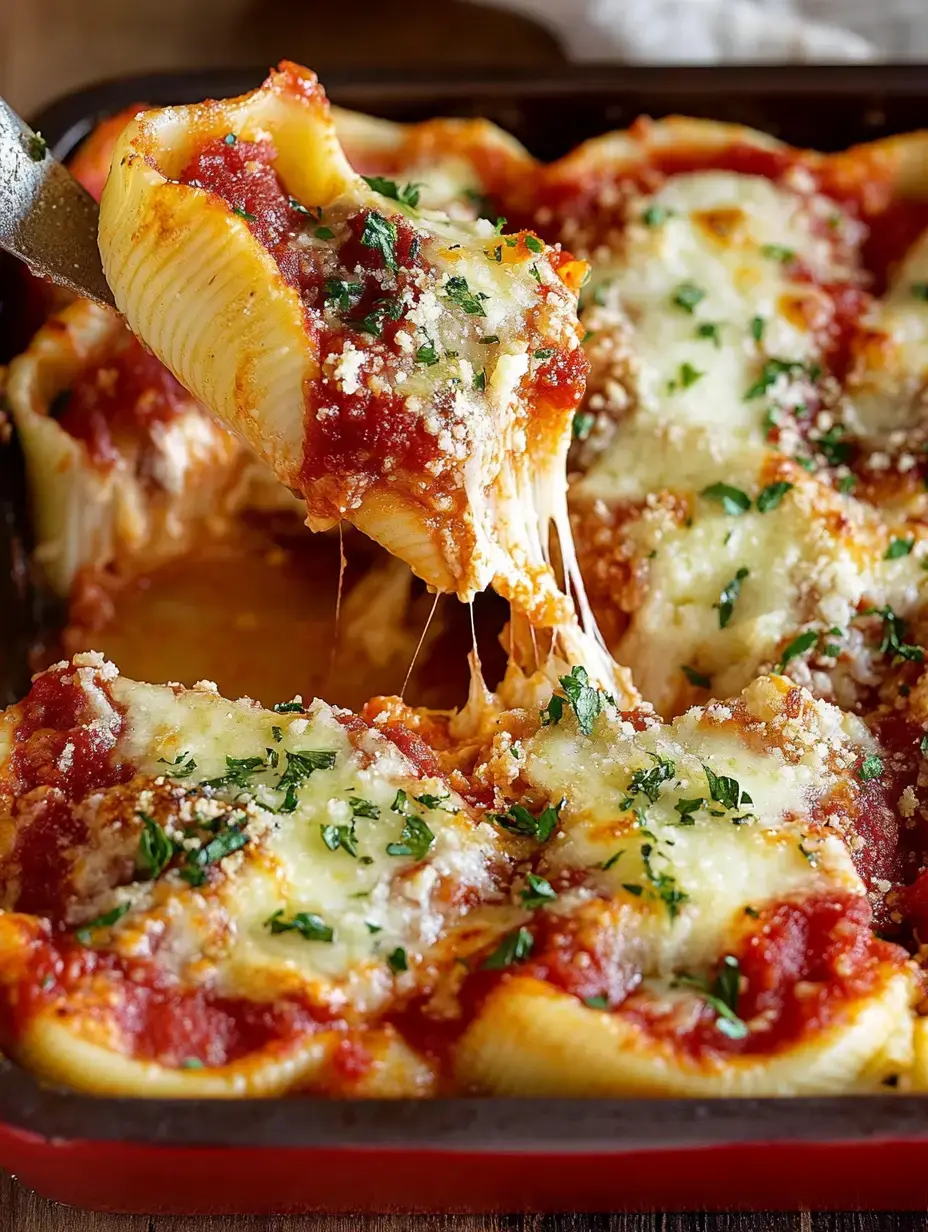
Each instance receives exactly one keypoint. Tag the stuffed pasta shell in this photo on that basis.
(414, 376)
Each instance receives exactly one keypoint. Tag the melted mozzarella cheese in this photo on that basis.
(375, 898)
(813, 561)
(683, 368)
(720, 859)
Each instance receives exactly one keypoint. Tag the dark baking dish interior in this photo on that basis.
(825, 108)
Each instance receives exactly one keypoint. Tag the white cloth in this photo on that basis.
(734, 31)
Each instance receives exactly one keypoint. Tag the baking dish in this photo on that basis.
(468, 1154)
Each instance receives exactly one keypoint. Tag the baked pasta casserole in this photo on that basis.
(653, 821)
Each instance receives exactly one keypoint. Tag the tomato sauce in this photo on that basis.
(559, 382)
(800, 964)
(124, 394)
(35, 875)
(356, 435)
(585, 961)
(61, 742)
(157, 1019)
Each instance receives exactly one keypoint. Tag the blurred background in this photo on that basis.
(48, 47)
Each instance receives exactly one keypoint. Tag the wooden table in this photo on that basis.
(48, 47)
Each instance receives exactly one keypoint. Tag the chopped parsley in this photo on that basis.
(725, 790)
(870, 768)
(340, 836)
(519, 820)
(300, 765)
(36, 147)
(415, 840)
(324, 233)
(489, 339)
(648, 782)
(242, 213)
(373, 323)
(654, 215)
(663, 884)
(514, 947)
(343, 295)
(710, 330)
(293, 707)
(686, 376)
(543, 353)
(379, 234)
(894, 629)
(920, 290)
(598, 1002)
(107, 920)
(583, 423)
(757, 328)
(687, 296)
(810, 856)
(733, 500)
(694, 677)
(898, 548)
(729, 597)
(180, 767)
(771, 495)
(226, 842)
(770, 373)
(585, 701)
(831, 446)
(534, 244)
(407, 195)
(363, 808)
(798, 646)
(847, 484)
(686, 809)
(616, 856)
(721, 996)
(397, 961)
(156, 850)
(427, 354)
(434, 802)
(239, 770)
(537, 891)
(299, 208)
(460, 293)
(777, 252)
(310, 926)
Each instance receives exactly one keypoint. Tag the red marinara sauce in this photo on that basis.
(352, 438)
(801, 963)
(61, 752)
(60, 740)
(157, 1019)
(124, 394)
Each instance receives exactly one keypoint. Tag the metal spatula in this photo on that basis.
(46, 218)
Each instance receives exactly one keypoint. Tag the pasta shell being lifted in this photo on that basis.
(414, 376)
